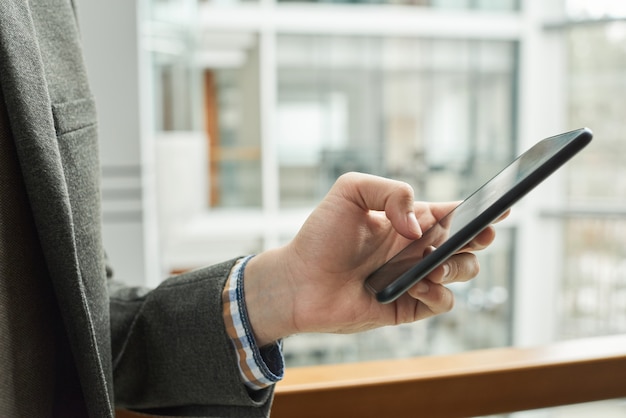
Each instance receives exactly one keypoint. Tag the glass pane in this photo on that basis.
(596, 9)
(170, 11)
(596, 90)
(212, 86)
(235, 149)
(437, 114)
(593, 297)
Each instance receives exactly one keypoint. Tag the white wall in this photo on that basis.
(111, 47)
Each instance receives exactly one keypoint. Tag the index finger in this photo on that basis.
(394, 197)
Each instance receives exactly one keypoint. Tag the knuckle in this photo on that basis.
(404, 191)
(449, 300)
(465, 266)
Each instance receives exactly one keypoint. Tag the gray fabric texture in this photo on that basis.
(37, 372)
(26, 374)
(163, 350)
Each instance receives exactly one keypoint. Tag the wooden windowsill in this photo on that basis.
(475, 383)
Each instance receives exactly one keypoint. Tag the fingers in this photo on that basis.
(481, 241)
(431, 294)
(503, 216)
(458, 268)
(440, 209)
(432, 299)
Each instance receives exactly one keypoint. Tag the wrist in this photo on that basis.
(268, 298)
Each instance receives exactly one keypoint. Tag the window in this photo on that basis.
(435, 113)
(283, 113)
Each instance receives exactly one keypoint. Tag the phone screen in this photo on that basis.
(471, 216)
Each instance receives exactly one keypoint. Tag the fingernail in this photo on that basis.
(413, 225)
(422, 287)
(446, 272)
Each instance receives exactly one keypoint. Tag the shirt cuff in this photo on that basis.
(259, 368)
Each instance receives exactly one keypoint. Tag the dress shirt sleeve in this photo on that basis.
(259, 367)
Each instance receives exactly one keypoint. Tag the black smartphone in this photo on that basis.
(475, 213)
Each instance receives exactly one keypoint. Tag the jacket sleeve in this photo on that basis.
(171, 353)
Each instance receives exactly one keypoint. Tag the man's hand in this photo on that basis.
(315, 283)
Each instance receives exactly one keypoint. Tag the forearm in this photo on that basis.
(170, 346)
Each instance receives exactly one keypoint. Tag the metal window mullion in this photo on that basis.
(539, 243)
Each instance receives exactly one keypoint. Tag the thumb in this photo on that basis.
(393, 197)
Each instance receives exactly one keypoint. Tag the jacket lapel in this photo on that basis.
(23, 81)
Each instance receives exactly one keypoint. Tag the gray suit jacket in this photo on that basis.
(163, 350)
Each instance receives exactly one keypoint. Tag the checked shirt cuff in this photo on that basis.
(259, 367)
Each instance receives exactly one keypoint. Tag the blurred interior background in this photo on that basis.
(224, 122)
